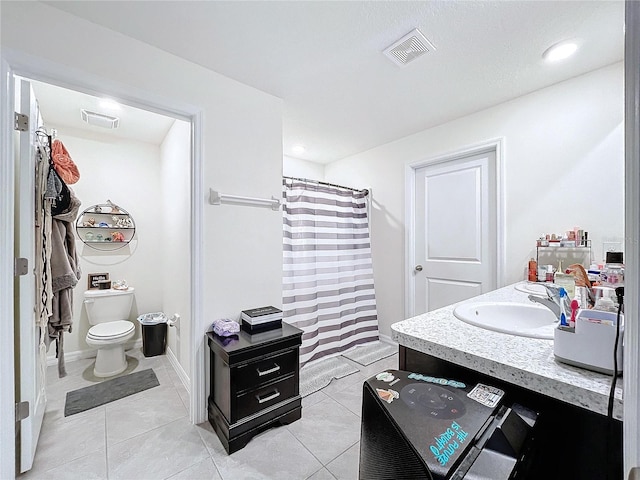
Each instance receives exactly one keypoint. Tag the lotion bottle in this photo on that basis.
(533, 270)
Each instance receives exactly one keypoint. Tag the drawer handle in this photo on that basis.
(275, 394)
(267, 372)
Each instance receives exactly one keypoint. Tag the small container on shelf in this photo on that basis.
(549, 273)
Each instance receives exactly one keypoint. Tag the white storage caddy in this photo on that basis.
(590, 344)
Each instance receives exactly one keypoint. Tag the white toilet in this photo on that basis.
(108, 311)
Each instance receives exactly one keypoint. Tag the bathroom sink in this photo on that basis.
(532, 289)
(512, 318)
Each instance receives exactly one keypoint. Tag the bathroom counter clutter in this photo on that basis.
(525, 362)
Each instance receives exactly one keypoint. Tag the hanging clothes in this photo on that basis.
(44, 293)
(63, 163)
(42, 216)
(60, 269)
(65, 274)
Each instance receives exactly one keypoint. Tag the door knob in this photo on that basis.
(418, 268)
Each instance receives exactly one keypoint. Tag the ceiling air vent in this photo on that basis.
(413, 45)
(99, 120)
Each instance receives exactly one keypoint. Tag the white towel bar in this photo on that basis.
(217, 198)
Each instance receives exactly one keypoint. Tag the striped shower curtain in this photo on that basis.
(328, 274)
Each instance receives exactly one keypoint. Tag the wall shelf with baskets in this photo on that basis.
(105, 226)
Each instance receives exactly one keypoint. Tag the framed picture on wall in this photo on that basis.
(95, 279)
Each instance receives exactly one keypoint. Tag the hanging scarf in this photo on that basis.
(63, 163)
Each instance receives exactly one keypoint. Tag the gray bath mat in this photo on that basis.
(319, 374)
(108, 391)
(371, 352)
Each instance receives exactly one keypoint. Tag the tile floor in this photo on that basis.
(148, 435)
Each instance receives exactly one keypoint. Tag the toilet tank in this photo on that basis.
(108, 305)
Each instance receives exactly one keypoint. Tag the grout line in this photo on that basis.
(340, 454)
(324, 465)
(194, 464)
(310, 452)
(215, 465)
(149, 431)
(106, 446)
(321, 468)
(213, 460)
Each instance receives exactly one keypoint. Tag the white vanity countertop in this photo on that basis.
(523, 361)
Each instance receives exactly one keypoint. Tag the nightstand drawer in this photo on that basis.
(255, 400)
(268, 369)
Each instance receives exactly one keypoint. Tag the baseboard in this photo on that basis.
(184, 378)
(71, 356)
(82, 354)
(387, 339)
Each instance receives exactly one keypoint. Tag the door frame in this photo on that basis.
(496, 145)
(17, 63)
(7, 378)
(631, 377)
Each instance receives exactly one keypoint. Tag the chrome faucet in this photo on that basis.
(553, 300)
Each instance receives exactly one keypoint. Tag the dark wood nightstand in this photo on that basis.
(254, 383)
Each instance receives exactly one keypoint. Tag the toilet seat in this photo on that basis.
(111, 330)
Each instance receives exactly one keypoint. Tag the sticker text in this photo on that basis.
(447, 443)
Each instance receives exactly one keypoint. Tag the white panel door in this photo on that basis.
(455, 231)
(29, 375)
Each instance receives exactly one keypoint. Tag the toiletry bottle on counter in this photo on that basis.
(582, 297)
(566, 281)
(542, 273)
(533, 270)
(613, 272)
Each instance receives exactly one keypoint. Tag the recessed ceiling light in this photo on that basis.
(559, 51)
(109, 104)
(298, 149)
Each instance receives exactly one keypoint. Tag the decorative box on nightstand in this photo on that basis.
(254, 383)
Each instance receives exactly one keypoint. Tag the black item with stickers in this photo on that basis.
(415, 426)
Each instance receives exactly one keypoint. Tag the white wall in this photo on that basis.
(127, 173)
(564, 166)
(294, 167)
(175, 239)
(242, 142)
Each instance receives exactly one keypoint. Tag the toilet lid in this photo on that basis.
(115, 329)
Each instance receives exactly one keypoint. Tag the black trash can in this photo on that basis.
(154, 333)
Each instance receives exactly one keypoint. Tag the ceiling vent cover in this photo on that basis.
(413, 45)
(99, 120)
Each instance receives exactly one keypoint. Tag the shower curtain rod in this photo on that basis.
(365, 190)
